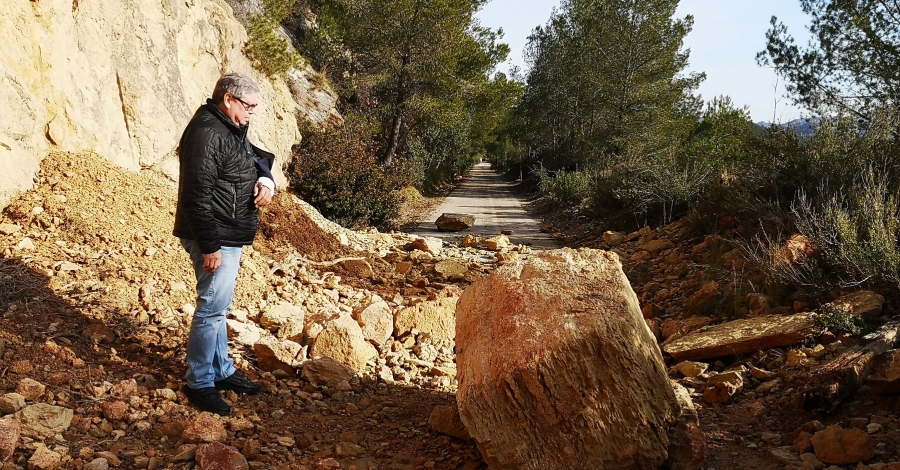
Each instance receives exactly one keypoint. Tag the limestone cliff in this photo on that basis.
(121, 78)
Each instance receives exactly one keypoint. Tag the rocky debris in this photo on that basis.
(275, 354)
(743, 336)
(538, 380)
(865, 304)
(205, 428)
(326, 371)
(839, 446)
(218, 456)
(44, 459)
(435, 318)
(884, 379)
(376, 321)
(10, 430)
(343, 340)
(497, 243)
(429, 245)
(114, 410)
(613, 238)
(449, 222)
(40, 421)
(446, 420)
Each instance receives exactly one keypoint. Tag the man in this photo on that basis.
(224, 180)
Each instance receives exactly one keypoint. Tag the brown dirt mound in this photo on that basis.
(284, 224)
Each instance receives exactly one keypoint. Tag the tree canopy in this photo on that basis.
(850, 63)
(606, 79)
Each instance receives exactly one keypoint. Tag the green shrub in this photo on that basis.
(269, 51)
(839, 320)
(337, 171)
(570, 187)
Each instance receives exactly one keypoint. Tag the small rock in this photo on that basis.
(722, 391)
(470, 241)
(114, 410)
(866, 304)
(839, 446)
(274, 354)
(445, 420)
(41, 420)
(205, 428)
(348, 449)
(97, 464)
(9, 229)
(403, 267)
(376, 321)
(124, 389)
(10, 430)
(11, 402)
(26, 244)
(326, 371)
(449, 222)
(218, 456)
(450, 268)
(613, 238)
(690, 368)
(44, 459)
(427, 244)
(497, 243)
(30, 389)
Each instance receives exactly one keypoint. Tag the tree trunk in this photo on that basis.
(839, 378)
(397, 120)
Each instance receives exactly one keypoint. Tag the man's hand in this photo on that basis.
(263, 195)
(212, 261)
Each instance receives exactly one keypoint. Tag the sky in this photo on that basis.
(727, 35)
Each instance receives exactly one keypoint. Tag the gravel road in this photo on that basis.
(488, 196)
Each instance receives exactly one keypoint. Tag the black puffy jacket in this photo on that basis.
(218, 171)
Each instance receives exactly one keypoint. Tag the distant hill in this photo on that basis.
(800, 126)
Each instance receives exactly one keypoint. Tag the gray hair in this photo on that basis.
(235, 84)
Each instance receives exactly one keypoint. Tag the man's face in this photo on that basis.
(240, 109)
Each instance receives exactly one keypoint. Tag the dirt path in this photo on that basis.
(488, 196)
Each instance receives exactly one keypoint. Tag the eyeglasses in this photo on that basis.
(248, 107)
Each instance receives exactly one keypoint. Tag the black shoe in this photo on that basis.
(208, 399)
(238, 383)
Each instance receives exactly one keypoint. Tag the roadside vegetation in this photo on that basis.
(607, 124)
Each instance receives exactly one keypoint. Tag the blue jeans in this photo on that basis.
(207, 347)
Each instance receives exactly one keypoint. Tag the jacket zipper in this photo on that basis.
(233, 202)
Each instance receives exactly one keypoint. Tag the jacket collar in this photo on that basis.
(239, 131)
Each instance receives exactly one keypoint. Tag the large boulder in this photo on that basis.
(448, 222)
(557, 369)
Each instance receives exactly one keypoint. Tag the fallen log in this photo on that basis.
(839, 378)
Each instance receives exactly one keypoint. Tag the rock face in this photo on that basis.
(84, 77)
(557, 369)
(743, 336)
(454, 222)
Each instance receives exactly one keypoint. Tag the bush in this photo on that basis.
(570, 187)
(268, 50)
(337, 171)
(857, 229)
(839, 320)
